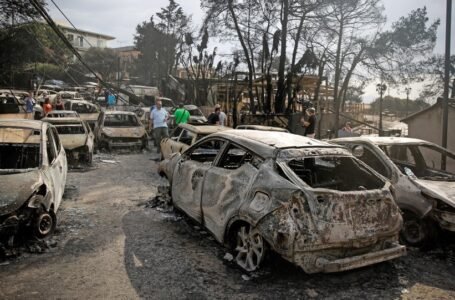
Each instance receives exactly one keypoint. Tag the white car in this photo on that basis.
(33, 170)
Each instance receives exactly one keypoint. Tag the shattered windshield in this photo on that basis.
(342, 173)
(423, 161)
(121, 120)
(19, 148)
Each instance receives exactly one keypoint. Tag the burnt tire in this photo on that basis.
(44, 223)
(250, 248)
(417, 232)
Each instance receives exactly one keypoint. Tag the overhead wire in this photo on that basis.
(59, 33)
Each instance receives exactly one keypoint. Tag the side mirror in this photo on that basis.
(358, 151)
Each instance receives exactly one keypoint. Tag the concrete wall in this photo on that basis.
(428, 126)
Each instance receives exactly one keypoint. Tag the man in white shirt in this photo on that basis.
(222, 116)
(158, 122)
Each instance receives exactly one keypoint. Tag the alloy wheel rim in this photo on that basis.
(250, 249)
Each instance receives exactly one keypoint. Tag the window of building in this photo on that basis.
(70, 37)
(81, 41)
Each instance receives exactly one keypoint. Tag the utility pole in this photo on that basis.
(380, 88)
(408, 90)
(445, 115)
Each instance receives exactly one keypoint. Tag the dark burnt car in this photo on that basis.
(33, 170)
(312, 202)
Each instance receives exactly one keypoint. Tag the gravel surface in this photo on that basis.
(114, 242)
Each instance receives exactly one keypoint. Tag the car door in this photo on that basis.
(189, 176)
(168, 144)
(90, 136)
(227, 186)
(56, 166)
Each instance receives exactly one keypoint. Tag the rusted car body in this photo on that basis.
(186, 135)
(88, 112)
(63, 114)
(313, 203)
(120, 129)
(196, 115)
(77, 138)
(425, 191)
(261, 128)
(33, 170)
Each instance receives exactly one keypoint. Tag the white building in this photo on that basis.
(82, 40)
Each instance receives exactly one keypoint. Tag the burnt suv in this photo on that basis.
(313, 203)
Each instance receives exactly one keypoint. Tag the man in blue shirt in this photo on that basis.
(158, 122)
(29, 103)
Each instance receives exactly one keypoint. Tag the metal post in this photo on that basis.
(445, 116)
(408, 90)
(381, 89)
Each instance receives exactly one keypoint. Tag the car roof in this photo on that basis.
(32, 124)
(65, 112)
(79, 101)
(190, 106)
(262, 127)
(265, 143)
(63, 120)
(383, 140)
(203, 129)
(119, 112)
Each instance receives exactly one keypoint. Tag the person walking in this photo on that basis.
(181, 115)
(29, 103)
(222, 116)
(158, 122)
(310, 123)
(214, 117)
(59, 103)
(47, 108)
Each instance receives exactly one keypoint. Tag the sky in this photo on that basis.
(119, 18)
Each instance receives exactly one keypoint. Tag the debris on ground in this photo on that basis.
(246, 277)
(311, 293)
(107, 161)
(228, 256)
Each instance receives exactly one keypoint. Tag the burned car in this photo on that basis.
(77, 138)
(261, 128)
(423, 176)
(33, 172)
(120, 129)
(185, 135)
(309, 201)
(63, 114)
(86, 110)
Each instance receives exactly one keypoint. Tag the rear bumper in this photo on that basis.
(125, 144)
(359, 261)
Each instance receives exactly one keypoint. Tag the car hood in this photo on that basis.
(198, 118)
(443, 190)
(134, 132)
(89, 117)
(72, 141)
(17, 188)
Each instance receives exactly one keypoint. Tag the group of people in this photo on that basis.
(159, 118)
(47, 106)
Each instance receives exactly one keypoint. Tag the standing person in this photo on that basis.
(214, 117)
(158, 122)
(59, 103)
(29, 103)
(222, 116)
(347, 127)
(181, 115)
(310, 124)
(47, 106)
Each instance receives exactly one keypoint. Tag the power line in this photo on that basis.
(59, 33)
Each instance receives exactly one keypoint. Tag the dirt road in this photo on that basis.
(110, 245)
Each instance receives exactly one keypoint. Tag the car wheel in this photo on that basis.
(44, 223)
(416, 231)
(250, 248)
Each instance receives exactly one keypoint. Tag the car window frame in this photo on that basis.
(53, 146)
(226, 149)
(186, 155)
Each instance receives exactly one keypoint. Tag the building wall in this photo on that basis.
(83, 41)
(428, 126)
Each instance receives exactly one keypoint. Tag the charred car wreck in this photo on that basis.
(33, 172)
(423, 176)
(311, 202)
(77, 138)
(120, 129)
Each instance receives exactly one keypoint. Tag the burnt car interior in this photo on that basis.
(235, 157)
(18, 155)
(70, 129)
(9, 105)
(207, 151)
(337, 173)
(423, 161)
(120, 120)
